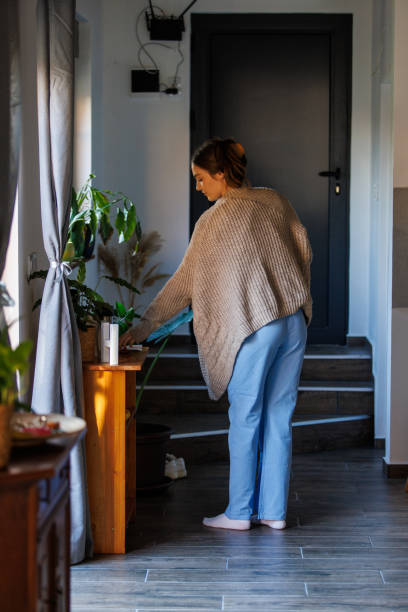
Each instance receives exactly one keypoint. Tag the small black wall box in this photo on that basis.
(143, 81)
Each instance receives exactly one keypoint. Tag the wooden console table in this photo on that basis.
(35, 528)
(110, 410)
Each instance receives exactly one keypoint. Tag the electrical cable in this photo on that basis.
(142, 45)
(142, 49)
(186, 9)
(178, 65)
(151, 8)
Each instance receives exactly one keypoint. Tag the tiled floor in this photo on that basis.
(345, 548)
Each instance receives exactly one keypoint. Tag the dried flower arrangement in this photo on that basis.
(129, 260)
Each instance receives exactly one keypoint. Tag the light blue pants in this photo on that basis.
(262, 393)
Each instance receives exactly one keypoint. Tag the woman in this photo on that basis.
(246, 273)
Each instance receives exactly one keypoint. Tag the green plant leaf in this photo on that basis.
(81, 272)
(138, 231)
(130, 221)
(21, 406)
(79, 216)
(93, 222)
(21, 355)
(130, 315)
(105, 228)
(93, 295)
(103, 309)
(120, 224)
(11, 361)
(77, 237)
(120, 309)
(122, 283)
(74, 204)
(101, 201)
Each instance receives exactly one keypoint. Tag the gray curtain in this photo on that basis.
(58, 368)
(10, 106)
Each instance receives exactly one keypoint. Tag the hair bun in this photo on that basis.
(239, 149)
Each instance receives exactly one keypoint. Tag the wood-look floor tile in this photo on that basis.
(304, 575)
(356, 552)
(102, 574)
(329, 540)
(268, 542)
(356, 564)
(366, 594)
(235, 576)
(117, 600)
(400, 541)
(244, 604)
(101, 609)
(215, 552)
(395, 576)
(159, 589)
(309, 604)
(156, 562)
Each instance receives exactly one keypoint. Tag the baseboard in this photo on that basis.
(395, 470)
(379, 443)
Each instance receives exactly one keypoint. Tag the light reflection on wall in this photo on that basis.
(11, 280)
(83, 108)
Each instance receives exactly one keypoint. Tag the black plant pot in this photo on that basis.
(151, 443)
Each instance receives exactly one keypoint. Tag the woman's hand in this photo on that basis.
(130, 337)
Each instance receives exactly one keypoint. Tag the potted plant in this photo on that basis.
(91, 213)
(11, 362)
(90, 309)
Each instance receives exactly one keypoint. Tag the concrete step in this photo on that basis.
(308, 436)
(321, 363)
(334, 409)
(320, 397)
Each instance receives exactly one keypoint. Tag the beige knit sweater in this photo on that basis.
(247, 264)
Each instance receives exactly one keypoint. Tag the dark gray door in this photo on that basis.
(280, 84)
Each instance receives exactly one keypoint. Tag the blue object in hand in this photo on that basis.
(168, 328)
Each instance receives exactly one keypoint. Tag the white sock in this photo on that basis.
(223, 522)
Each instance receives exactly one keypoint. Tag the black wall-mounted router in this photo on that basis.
(144, 81)
(164, 28)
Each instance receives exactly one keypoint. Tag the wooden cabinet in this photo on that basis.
(35, 529)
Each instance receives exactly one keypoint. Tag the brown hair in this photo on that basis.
(222, 155)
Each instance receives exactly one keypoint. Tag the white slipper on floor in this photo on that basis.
(223, 522)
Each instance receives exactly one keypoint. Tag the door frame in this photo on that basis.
(339, 28)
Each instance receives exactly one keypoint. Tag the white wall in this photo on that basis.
(400, 95)
(397, 414)
(145, 140)
(380, 296)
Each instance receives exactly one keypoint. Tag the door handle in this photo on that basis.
(336, 173)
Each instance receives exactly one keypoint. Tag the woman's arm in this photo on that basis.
(173, 297)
